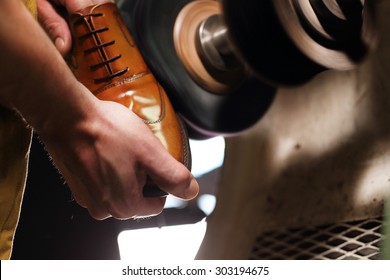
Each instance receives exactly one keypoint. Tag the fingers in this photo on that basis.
(55, 26)
(76, 5)
(119, 201)
(139, 207)
(121, 208)
(126, 200)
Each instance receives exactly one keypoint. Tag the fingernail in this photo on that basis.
(59, 43)
(193, 190)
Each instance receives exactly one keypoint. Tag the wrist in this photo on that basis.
(65, 114)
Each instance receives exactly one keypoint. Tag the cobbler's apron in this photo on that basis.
(15, 139)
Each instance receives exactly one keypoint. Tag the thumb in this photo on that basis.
(170, 175)
(55, 26)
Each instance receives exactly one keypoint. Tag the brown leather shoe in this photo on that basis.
(106, 60)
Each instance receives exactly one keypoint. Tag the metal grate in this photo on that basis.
(349, 241)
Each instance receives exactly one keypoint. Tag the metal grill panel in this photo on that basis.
(349, 240)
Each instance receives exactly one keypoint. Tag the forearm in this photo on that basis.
(35, 79)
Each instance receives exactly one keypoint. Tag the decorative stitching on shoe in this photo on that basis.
(162, 115)
(124, 81)
(187, 160)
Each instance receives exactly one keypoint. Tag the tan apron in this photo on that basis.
(15, 139)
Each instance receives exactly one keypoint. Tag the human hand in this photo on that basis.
(55, 24)
(106, 159)
(102, 149)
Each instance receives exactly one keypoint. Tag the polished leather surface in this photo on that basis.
(106, 60)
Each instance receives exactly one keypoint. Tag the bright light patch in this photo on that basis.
(177, 242)
(207, 154)
(206, 202)
(167, 243)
